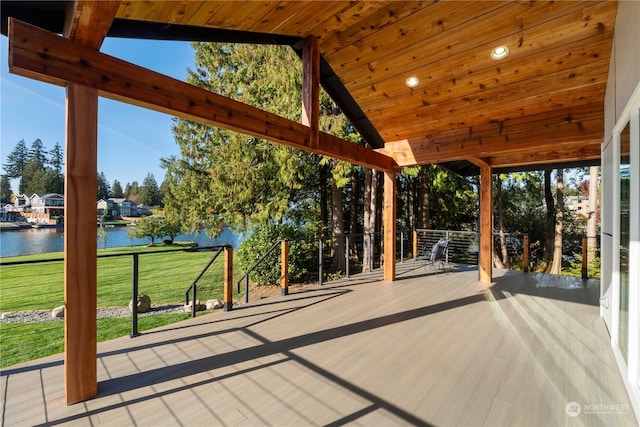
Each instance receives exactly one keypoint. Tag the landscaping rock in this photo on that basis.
(214, 304)
(144, 303)
(199, 307)
(58, 312)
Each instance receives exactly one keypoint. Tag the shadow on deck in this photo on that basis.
(425, 350)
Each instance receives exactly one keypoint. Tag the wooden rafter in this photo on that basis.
(567, 132)
(44, 56)
(311, 88)
(88, 22)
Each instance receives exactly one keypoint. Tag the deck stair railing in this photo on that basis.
(255, 265)
(194, 285)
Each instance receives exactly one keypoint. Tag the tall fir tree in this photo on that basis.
(226, 178)
(104, 189)
(149, 192)
(16, 162)
(5, 189)
(116, 189)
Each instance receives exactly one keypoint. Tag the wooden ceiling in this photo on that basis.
(540, 105)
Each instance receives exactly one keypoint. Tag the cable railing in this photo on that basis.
(255, 265)
(194, 285)
(32, 302)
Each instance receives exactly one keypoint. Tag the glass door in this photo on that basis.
(625, 207)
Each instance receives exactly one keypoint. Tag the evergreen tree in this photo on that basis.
(131, 191)
(38, 152)
(164, 191)
(34, 178)
(149, 192)
(5, 189)
(116, 189)
(222, 177)
(16, 162)
(56, 158)
(103, 187)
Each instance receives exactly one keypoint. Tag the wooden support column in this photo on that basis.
(284, 268)
(525, 253)
(311, 88)
(415, 244)
(87, 23)
(80, 244)
(485, 263)
(228, 278)
(389, 219)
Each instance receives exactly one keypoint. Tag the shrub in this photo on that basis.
(259, 242)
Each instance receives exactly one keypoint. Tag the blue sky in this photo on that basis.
(131, 140)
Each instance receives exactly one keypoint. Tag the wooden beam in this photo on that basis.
(480, 162)
(87, 23)
(80, 244)
(284, 267)
(485, 263)
(582, 150)
(389, 219)
(228, 278)
(311, 88)
(561, 131)
(42, 55)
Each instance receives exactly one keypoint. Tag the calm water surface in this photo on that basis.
(36, 241)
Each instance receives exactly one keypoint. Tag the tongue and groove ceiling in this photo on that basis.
(541, 105)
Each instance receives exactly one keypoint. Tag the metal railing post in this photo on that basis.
(525, 253)
(401, 247)
(246, 290)
(320, 262)
(346, 255)
(134, 299)
(372, 254)
(193, 300)
(446, 236)
(585, 258)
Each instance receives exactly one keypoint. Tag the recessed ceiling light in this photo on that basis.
(412, 81)
(500, 52)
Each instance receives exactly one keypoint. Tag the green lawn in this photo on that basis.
(22, 342)
(164, 276)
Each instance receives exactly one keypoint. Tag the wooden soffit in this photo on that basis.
(542, 104)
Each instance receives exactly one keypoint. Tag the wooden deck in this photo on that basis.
(440, 350)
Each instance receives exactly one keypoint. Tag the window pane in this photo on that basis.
(625, 204)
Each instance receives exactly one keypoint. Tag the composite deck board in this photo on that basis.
(428, 349)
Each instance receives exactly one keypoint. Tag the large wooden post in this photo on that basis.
(80, 244)
(311, 88)
(389, 218)
(228, 278)
(485, 264)
(284, 267)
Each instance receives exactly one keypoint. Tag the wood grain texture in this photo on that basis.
(284, 267)
(311, 88)
(80, 243)
(389, 219)
(87, 23)
(486, 224)
(36, 52)
(228, 278)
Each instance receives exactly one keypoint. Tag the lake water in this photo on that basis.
(36, 241)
